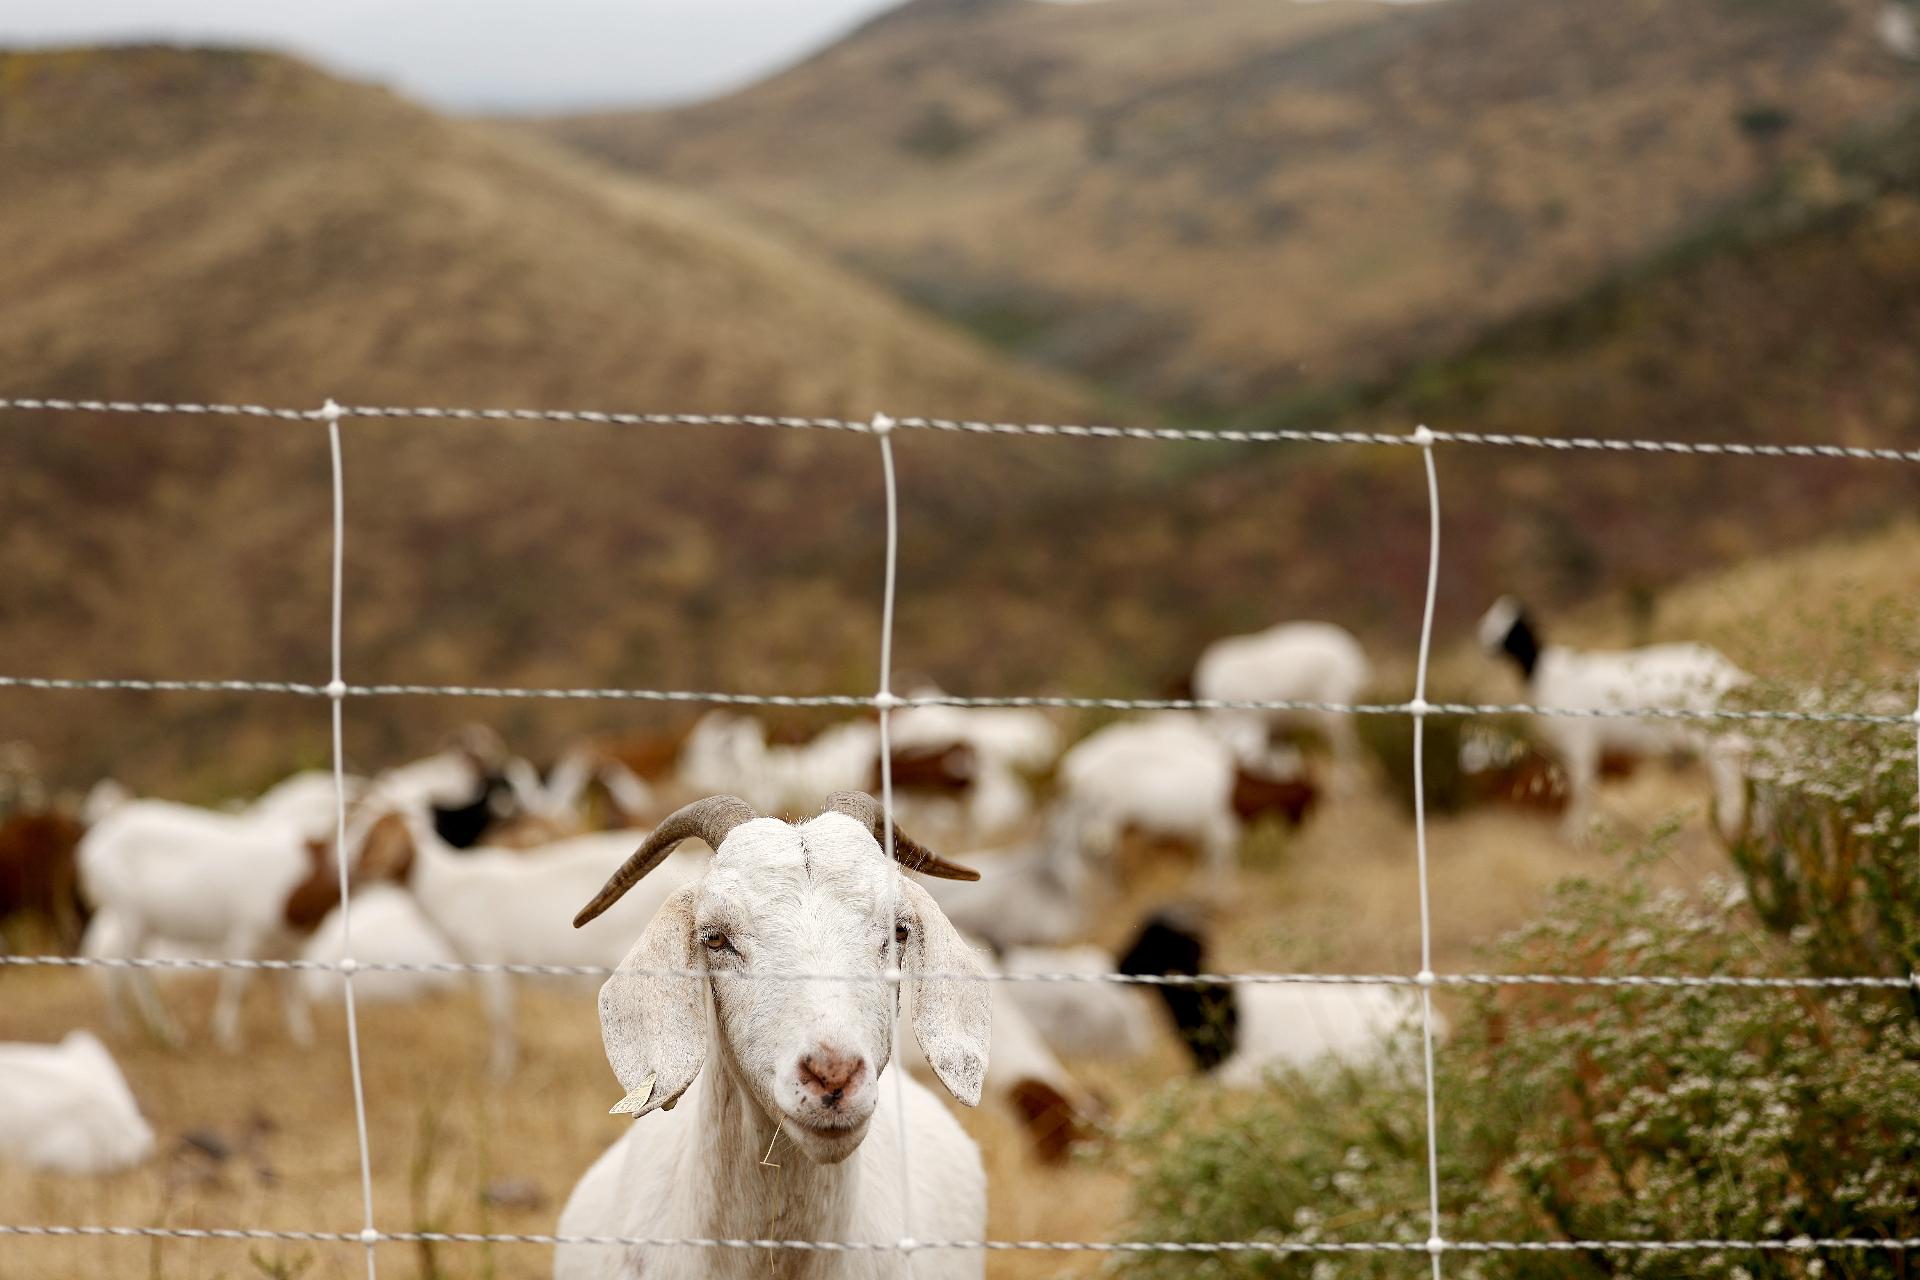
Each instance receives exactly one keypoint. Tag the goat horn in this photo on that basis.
(710, 820)
(909, 853)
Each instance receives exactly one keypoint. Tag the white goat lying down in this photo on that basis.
(1680, 677)
(790, 1132)
(1165, 775)
(1240, 1032)
(1293, 662)
(1299, 1026)
(65, 1107)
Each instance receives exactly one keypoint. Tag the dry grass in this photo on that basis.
(1339, 895)
(1223, 198)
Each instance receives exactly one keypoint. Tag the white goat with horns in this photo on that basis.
(774, 1144)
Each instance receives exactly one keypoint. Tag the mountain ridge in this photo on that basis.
(1215, 202)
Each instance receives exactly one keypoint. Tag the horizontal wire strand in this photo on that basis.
(369, 1237)
(1797, 1244)
(1504, 439)
(1118, 979)
(1908, 719)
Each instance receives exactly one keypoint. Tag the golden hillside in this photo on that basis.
(193, 224)
(748, 559)
(198, 225)
(1219, 201)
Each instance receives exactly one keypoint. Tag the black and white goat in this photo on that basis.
(1673, 677)
(1238, 1033)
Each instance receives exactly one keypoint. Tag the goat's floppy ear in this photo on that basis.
(655, 1028)
(952, 1017)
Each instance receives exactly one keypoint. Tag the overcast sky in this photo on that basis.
(480, 55)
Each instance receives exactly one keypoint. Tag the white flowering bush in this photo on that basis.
(1831, 846)
(1577, 1113)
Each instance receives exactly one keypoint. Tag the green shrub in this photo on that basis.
(1831, 849)
(1574, 1112)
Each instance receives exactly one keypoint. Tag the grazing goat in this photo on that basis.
(388, 928)
(164, 870)
(38, 874)
(1083, 1019)
(1025, 1077)
(959, 767)
(1293, 662)
(788, 1132)
(240, 886)
(1163, 776)
(1679, 677)
(1034, 895)
(66, 1108)
(509, 906)
(728, 753)
(1241, 1032)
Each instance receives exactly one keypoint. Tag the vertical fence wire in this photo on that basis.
(1436, 1243)
(883, 702)
(336, 693)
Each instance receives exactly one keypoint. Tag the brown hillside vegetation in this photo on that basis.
(203, 225)
(1217, 201)
(748, 559)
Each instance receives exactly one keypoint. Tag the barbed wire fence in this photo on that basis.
(883, 702)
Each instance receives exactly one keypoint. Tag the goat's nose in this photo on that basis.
(828, 1073)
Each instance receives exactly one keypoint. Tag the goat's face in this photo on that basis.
(778, 900)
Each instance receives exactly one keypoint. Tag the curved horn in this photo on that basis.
(710, 820)
(909, 853)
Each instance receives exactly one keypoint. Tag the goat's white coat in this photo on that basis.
(1164, 775)
(728, 754)
(194, 876)
(1681, 677)
(508, 906)
(727, 1053)
(388, 928)
(67, 1109)
(1292, 662)
(1301, 1026)
(306, 800)
(1034, 895)
(1081, 1019)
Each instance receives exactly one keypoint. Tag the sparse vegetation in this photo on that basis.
(1632, 1113)
(1575, 1113)
(1270, 186)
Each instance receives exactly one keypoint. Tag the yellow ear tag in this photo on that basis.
(631, 1104)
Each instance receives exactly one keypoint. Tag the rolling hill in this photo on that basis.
(218, 225)
(1217, 202)
(223, 225)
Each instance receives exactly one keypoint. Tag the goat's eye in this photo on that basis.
(716, 941)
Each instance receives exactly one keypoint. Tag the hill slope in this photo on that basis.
(1218, 201)
(198, 225)
(749, 559)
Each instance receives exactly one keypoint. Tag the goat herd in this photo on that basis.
(471, 856)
